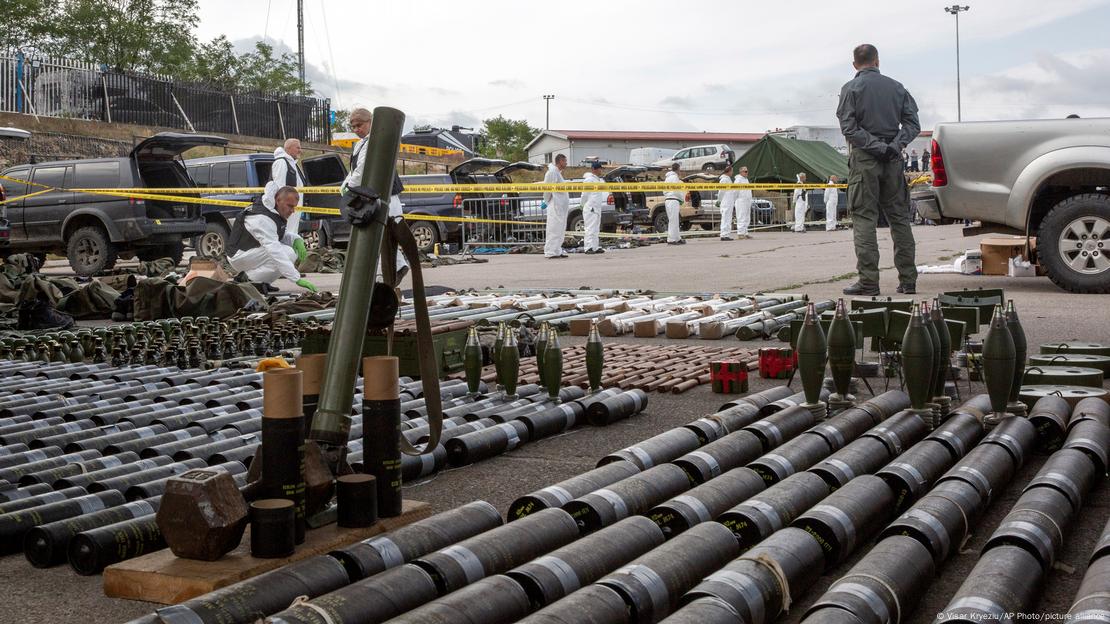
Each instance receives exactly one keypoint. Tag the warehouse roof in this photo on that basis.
(622, 135)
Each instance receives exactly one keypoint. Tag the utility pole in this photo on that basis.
(956, 9)
(547, 101)
(300, 42)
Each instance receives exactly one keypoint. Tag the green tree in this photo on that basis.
(342, 121)
(154, 36)
(29, 25)
(261, 70)
(506, 138)
(214, 64)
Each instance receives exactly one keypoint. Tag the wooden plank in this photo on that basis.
(166, 579)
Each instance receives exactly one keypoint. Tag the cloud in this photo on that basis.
(507, 83)
(320, 77)
(1050, 86)
(678, 101)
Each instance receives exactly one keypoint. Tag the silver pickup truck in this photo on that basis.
(1047, 179)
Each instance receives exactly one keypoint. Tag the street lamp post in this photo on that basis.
(547, 101)
(956, 9)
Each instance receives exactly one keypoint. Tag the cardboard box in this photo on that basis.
(201, 267)
(998, 251)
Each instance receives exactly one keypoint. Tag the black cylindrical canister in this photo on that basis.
(12, 474)
(204, 452)
(731, 451)
(759, 399)
(553, 420)
(796, 455)
(1092, 438)
(707, 501)
(89, 465)
(771, 510)
(561, 572)
(848, 517)
(937, 521)
(1092, 601)
(356, 500)
(885, 585)
(788, 401)
(377, 554)
(169, 449)
(565, 491)
(602, 604)
(911, 474)
(624, 405)
(959, 433)
(846, 426)
(1005, 581)
(27, 455)
(736, 417)
(498, 550)
(122, 482)
(782, 426)
(899, 432)
(1014, 434)
(414, 467)
(374, 599)
(1049, 416)
(864, 456)
(632, 496)
(122, 433)
(485, 443)
(243, 454)
(157, 487)
(45, 545)
(707, 429)
(10, 492)
(652, 584)
(757, 585)
(1037, 523)
(257, 597)
(14, 525)
(273, 528)
(139, 445)
(283, 441)
(705, 610)
(1068, 470)
(987, 467)
(655, 450)
(38, 500)
(492, 600)
(381, 433)
(93, 550)
(1102, 548)
(83, 480)
(1091, 408)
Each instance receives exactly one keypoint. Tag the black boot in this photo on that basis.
(859, 289)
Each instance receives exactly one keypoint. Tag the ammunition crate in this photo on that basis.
(448, 348)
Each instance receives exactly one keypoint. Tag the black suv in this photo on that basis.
(94, 230)
(323, 172)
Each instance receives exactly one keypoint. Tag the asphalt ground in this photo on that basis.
(817, 263)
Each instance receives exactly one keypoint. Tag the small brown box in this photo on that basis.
(998, 251)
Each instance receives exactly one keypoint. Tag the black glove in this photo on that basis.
(359, 205)
(893, 152)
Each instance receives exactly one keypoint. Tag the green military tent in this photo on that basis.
(779, 159)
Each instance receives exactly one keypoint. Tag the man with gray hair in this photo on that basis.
(284, 172)
(361, 120)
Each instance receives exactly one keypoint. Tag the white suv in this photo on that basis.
(699, 158)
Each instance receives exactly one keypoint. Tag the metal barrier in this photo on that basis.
(54, 87)
(502, 222)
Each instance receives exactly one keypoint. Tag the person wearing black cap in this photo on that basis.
(592, 203)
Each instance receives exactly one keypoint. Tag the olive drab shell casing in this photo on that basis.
(510, 364)
(999, 360)
(1021, 348)
(842, 349)
(553, 365)
(595, 358)
(812, 351)
(472, 361)
(541, 348)
(917, 360)
(934, 339)
(936, 317)
(498, 343)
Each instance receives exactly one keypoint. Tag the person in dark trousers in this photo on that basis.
(925, 160)
(878, 117)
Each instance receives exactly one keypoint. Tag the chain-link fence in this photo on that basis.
(64, 88)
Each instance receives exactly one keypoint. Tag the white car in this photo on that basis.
(699, 158)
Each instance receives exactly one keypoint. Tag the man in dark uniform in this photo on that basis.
(878, 118)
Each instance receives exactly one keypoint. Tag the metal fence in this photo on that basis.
(506, 222)
(64, 88)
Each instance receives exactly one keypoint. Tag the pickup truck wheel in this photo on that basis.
(659, 222)
(426, 234)
(1073, 243)
(213, 243)
(576, 223)
(173, 251)
(90, 251)
(707, 167)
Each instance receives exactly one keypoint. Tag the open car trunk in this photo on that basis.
(158, 159)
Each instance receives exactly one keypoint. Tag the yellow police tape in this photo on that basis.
(539, 187)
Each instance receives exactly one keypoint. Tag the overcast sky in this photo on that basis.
(655, 65)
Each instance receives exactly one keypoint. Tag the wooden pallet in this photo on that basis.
(166, 579)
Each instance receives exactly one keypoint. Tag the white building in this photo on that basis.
(615, 147)
(832, 136)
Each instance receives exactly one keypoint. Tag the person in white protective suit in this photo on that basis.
(673, 204)
(556, 206)
(743, 204)
(263, 246)
(801, 206)
(285, 172)
(361, 120)
(592, 203)
(726, 201)
(832, 198)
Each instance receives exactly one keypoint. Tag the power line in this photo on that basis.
(331, 57)
(266, 30)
